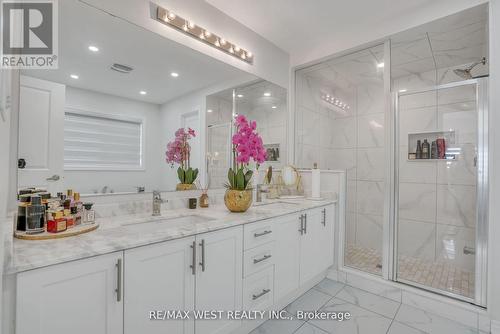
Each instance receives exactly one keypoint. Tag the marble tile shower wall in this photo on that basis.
(353, 141)
(437, 199)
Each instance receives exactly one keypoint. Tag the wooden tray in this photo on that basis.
(46, 235)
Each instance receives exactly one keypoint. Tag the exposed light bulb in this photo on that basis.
(209, 110)
(93, 48)
(231, 50)
(185, 27)
(240, 95)
(174, 74)
(191, 25)
(202, 36)
(249, 54)
(222, 41)
(143, 92)
(171, 16)
(243, 56)
(267, 94)
(274, 107)
(380, 65)
(74, 76)
(237, 48)
(207, 34)
(217, 43)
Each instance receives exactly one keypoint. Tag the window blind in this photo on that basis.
(101, 142)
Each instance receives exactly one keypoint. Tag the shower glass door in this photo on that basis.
(441, 190)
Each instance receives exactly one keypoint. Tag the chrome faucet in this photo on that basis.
(157, 202)
(260, 191)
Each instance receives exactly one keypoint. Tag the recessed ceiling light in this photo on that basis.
(380, 65)
(267, 94)
(74, 76)
(174, 74)
(240, 95)
(143, 92)
(209, 110)
(274, 107)
(93, 48)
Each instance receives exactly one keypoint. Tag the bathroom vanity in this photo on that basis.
(110, 280)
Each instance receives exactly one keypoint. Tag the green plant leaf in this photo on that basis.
(231, 178)
(181, 174)
(248, 177)
(195, 174)
(240, 180)
(189, 175)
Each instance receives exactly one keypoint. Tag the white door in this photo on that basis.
(159, 277)
(41, 134)
(79, 297)
(219, 278)
(287, 256)
(192, 120)
(310, 246)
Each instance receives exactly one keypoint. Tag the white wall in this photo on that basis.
(270, 62)
(119, 181)
(494, 158)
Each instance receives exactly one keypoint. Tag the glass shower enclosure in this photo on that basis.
(441, 189)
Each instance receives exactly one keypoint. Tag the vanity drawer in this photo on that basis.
(258, 233)
(258, 290)
(258, 258)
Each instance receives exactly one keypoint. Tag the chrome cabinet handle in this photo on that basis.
(305, 223)
(202, 263)
(324, 217)
(54, 177)
(264, 292)
(118, 289)
(265, 257)
(193, 261)
(256, 235)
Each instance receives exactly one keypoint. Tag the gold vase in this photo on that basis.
(238, 200)
(185, 186)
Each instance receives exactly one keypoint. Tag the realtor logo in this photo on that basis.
(29, 34)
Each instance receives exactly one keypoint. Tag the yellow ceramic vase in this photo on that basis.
(185, 186)
(238, 200)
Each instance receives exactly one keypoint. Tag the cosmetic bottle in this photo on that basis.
(418, 152)
(78, 205)
(441, 147)
(426, 149)
(89, 214)
(204, 200)
(57, 223)
(24, 201)
(35, 216)
(434, 150)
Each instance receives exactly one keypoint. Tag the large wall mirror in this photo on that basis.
(101, 122)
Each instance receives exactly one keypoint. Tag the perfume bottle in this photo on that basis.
(35, 216)
(78, 209)
(88, 214)
(434, 150)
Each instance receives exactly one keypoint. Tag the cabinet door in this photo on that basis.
(310, 246)
(328, 217)
(287, 259)
(219, 277)
(79, 297)
(159, 277)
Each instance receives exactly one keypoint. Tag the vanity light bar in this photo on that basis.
(335, 101)
(169, 18)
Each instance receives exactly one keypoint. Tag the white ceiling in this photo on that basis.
(152, 57)
(304, 28)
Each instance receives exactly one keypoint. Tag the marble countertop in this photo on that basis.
(124, 232)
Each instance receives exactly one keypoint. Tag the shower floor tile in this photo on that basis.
(438, 275)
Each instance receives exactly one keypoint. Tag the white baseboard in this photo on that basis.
(495, 327)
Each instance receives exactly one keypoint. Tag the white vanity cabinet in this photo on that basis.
(219, 277)
(157, 278)
(79, 297)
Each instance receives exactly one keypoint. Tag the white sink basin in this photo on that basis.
(163, 222)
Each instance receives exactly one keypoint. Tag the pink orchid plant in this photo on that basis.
(247, 146)
(179, 152)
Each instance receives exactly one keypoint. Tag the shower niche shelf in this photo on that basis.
(452, 152)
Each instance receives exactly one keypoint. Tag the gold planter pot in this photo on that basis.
(238, 200)
(185, 186)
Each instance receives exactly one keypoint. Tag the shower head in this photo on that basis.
(466, 72)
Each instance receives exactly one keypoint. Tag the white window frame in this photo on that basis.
(110, 116)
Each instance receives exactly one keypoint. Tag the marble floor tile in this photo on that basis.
(399, 328)
(312, 300)
(310, 329)
(279, 327)
(369, 301)
(430, 323)
(362, 321)
(329, 287)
